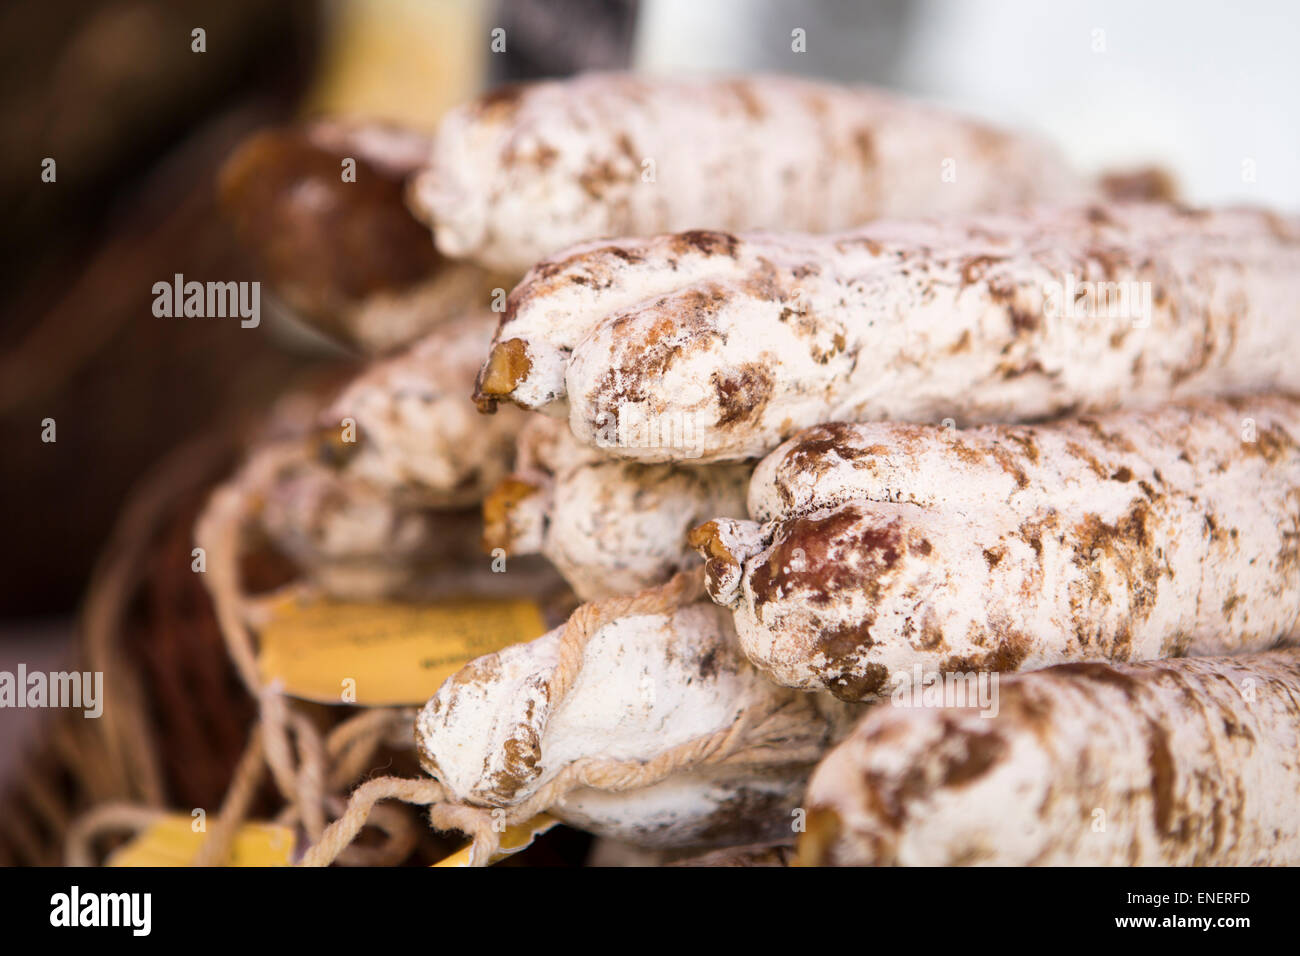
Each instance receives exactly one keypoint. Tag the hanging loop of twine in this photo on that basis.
(339, 834)
(105, 818)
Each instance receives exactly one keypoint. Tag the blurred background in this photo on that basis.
(138, 122)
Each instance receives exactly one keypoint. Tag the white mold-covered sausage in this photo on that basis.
(1133, 536)
(528, 170)
(417, 436)
(736, 343)
(360, 540)
(494, 736)
(351, 542)
(1192, 762)
(610, 527)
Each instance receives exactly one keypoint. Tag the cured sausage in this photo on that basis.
(526, 171)
(1139, 535)
(406, 426)
(496, 734)
(738, 342)
(609, 526)
(1191, 762)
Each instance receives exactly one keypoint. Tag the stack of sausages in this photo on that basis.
(922, 405)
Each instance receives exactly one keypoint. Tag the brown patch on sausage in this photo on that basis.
(1128, 544)
(707, 665)
(497, 507)
(1162, 777)
(1097, 215)
(823, 540)
(718, 561)
(818, 449)
(974, 269)
(751, 104)
(815, 846)
(705, 242)
(502, 102)
(1273, 444)
(1112, 440)
(1023, 321)
(643, 362)
(1147, 184)
(602, 176)
(742, 395)
(1078, 451)
(507, 365)
(1007, 656)
(1102, 674)
(864, 144)
(1025, 439)
(983, 752)
(856, 687)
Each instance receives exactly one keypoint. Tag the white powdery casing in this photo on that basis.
(1132, 536)
(350, 540)
(391, 320)
(418, 435)
(1192, 762)
(610, 527)
(528, 170)
(354, 541)
(648, 683)
(740, 342)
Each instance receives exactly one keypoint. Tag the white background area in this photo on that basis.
(1198, 87)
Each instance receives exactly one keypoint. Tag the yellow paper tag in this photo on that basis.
(515, 838)
(384, 654)
(171, 841)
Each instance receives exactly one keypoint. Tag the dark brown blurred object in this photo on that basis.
(105, 86)
(325, 244)
(176, 719)
(135, 625)
(122, 385)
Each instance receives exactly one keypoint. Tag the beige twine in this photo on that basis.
(310, 772)
(291, 746)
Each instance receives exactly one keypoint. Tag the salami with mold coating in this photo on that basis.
(736, 343)
(1190, 762)
(526, 171)
(1134, 536)
(609, 526)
